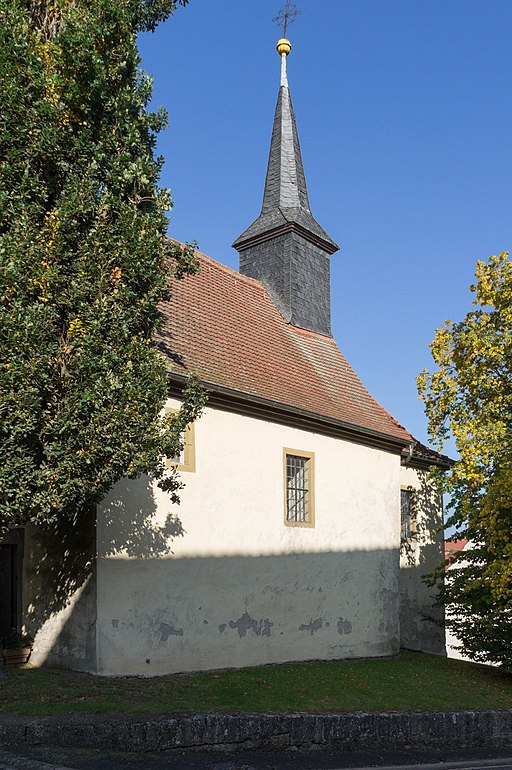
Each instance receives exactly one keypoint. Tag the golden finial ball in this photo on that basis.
(283, 47)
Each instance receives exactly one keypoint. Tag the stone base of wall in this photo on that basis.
(348, 732)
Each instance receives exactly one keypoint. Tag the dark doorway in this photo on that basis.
(8, 588)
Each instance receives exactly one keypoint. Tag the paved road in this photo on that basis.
(38, 758)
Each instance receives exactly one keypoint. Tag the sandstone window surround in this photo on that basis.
(299, 487)
(186, 460)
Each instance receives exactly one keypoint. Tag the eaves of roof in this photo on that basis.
(276, 223)
(248, 404)
(423, 457)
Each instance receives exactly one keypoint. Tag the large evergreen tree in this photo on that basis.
(83, 258)
(469, 397)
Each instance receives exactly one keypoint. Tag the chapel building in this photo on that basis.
(308, 515)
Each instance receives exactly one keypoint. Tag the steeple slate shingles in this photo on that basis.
(285, 248)
(285, 185)
(285, 198)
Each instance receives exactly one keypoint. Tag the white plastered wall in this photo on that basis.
(239, 587)
(419, 556)
(59, 593)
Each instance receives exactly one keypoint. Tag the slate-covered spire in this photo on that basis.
(285, 247)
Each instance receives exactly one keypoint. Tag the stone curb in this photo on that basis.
(391, 730)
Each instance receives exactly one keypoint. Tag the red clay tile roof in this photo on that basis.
(430, 456)
(453, 546)
(225, 327)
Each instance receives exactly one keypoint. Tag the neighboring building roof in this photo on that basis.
(224, 326)
(454, 546)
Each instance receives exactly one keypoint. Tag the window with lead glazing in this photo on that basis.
(406, 513)
(299, 487)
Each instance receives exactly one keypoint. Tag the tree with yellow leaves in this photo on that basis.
(83, 259)
(469, 397)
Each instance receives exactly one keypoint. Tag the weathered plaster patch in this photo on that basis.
(348, 576)
(389, 601)
(313, 626)
(261, 627)
(166, 631)
(276, 590)
(344, 626)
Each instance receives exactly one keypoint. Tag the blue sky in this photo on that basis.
(404, 113)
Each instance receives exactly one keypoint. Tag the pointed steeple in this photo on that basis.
(285, 247)
(285, 185)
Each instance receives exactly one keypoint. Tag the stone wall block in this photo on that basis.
(305, 730)
(163, 734)
(222, 728)
(278, 727)
(11, 732)
(463, 729)
(136, 735)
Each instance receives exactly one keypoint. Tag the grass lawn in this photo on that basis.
(409, 681)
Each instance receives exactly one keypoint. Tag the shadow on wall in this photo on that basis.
(136, 533)
(60, 573)
(421, 623)
(162, 615)
(137, 609)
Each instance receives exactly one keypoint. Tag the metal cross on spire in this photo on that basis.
(286, 16)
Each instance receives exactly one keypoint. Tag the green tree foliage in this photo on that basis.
(469, 397)
(83, 258)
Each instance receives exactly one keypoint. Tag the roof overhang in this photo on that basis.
(231, 400)
(436, 461)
